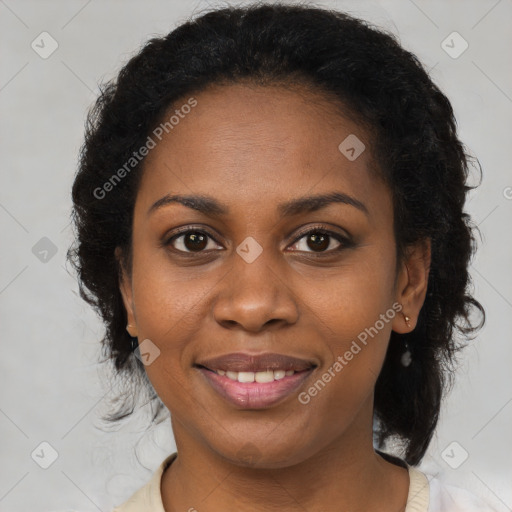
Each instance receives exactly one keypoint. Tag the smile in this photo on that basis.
(255, 381)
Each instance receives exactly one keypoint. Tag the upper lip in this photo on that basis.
(243, 362)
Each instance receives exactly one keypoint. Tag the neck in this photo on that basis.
(346, 474)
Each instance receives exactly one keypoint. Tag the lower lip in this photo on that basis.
(255, 395)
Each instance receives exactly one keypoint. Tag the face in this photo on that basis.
(279, 261)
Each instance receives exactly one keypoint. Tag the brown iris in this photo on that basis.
(318, 241)
(195, 241)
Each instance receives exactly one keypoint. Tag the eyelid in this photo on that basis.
(191, 227)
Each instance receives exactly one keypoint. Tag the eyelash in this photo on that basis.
(345, 242)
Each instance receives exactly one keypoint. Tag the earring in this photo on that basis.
(407, 320)
(134, 341)
(406, 358)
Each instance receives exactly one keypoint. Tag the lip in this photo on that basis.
(244, 362)
(253, 395)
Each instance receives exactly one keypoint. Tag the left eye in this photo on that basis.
(318, 241)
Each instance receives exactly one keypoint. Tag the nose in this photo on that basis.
(255, 296)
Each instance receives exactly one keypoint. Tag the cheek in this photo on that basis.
(167, 313)
(354, 310)
(354, 296)
(166, 299)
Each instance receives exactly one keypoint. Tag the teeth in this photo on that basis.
(261, 377)
(245, 376)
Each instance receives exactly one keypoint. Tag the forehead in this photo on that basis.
(257, 145)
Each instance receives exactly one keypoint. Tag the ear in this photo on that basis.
(412, 283)
(125, 287)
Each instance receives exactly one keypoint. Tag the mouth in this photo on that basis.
(255, 381)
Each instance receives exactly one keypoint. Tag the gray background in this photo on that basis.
(53, 389)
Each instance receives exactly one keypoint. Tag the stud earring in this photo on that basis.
(407, 320)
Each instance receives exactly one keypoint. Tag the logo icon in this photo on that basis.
(454, 455)
(249, 249)
(44, 455)
(146, 352)
(249, 453)
(44, 45)
(44, 250)
(351, 147)
(454, 45)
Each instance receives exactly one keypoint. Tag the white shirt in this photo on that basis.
(426, 494)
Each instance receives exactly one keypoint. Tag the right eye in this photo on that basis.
(191, 241)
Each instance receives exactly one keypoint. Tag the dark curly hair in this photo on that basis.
(365, 72)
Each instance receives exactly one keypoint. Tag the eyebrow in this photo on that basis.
(210, 206)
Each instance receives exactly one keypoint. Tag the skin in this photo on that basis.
(251, 148)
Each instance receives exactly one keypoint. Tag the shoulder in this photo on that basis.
(448, 498)
(148, 498)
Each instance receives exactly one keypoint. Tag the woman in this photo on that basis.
(269, 213)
